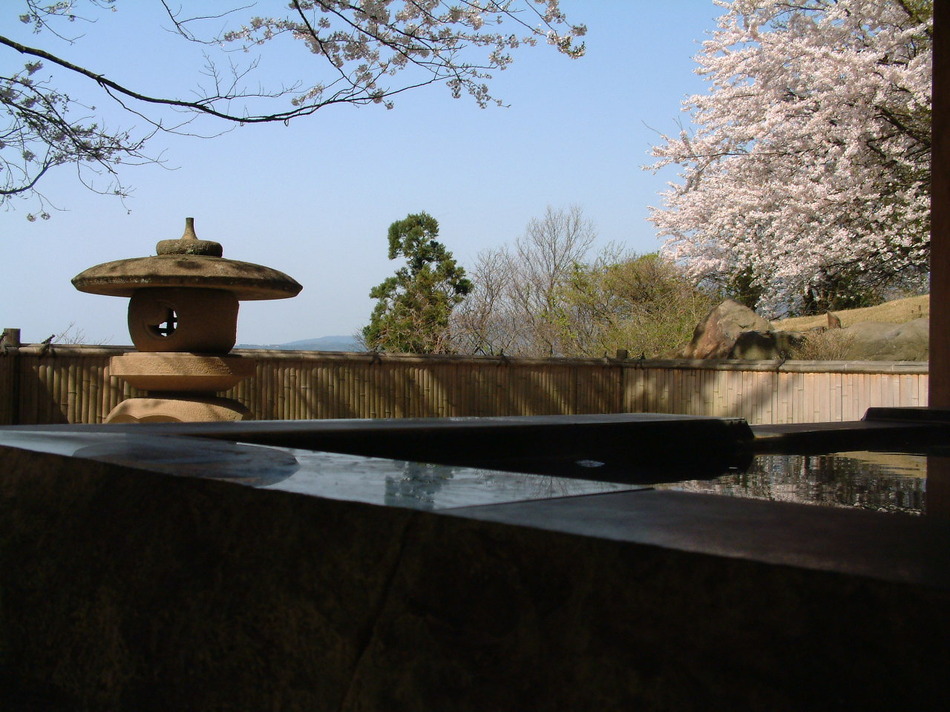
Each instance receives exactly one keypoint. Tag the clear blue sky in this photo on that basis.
(315, 199)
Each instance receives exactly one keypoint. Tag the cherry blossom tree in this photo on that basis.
(807, 176)
(361, 52)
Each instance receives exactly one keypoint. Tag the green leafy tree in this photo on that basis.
(641, 303)
(547, 296)
(413, 306)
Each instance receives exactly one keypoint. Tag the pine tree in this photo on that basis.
(413, 306)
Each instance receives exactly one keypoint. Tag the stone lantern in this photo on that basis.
(183, 311)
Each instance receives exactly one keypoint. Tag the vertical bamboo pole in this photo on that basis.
(87, 391)
(75, 392)
(53, 379)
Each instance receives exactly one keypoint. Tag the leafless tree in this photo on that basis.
(547, 295)
(515, 306)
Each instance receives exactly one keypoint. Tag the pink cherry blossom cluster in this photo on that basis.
(367, 42)
(810, 153)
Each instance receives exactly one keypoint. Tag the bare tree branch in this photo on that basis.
(373, 50)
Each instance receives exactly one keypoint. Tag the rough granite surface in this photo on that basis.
(124, 590)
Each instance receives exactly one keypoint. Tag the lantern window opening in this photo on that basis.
(168, 325)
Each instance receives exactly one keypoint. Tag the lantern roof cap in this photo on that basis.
(191, 263)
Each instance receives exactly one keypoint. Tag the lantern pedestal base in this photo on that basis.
(178, 410)
(175, 371)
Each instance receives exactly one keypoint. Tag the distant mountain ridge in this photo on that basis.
(322, 343)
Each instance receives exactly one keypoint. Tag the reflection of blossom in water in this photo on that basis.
(428, 486)
(420, 482)
(545, 486)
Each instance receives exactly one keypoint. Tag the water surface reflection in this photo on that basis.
(882, 482)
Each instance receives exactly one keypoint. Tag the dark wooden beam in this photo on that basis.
(940, 214)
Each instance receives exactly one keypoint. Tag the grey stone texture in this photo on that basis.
(765, 345)
(880, 341)
(125, 590)
(716, 335)
(733, 331)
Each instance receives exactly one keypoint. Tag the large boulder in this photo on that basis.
(733, 331)
(717, 334)
(881, 341)
(765, 345)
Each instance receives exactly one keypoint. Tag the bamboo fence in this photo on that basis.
(72, 384)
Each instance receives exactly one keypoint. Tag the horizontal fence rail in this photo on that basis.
(72, 384)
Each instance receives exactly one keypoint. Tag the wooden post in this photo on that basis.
(10, 391)
(938, 469)
(10, 339)
(939, 395)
